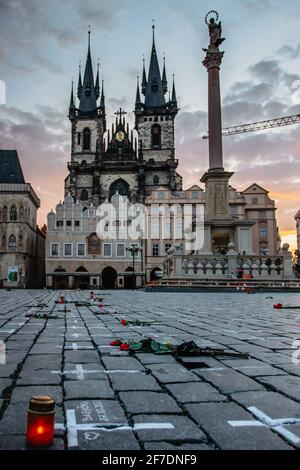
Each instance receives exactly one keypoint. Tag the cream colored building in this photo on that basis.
(22, 243)
(77, 258)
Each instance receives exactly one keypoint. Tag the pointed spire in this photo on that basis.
(79, 88)
(138, 96)
(97, 86)
(72, 105)
(102, 99)
(164, 78)
(88, 100)
(154, 97)
(174, 98)
(144, 81)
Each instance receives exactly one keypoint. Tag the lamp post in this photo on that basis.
(134, 250)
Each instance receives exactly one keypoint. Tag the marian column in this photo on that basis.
(216, 179)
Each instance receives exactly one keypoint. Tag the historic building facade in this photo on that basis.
(22, 243)
(140, 166)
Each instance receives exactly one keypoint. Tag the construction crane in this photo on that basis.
(259, 126)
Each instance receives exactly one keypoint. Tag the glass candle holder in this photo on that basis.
(40, 421)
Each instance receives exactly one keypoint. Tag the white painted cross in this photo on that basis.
(80, 372)
(73, 427)
(276, 425)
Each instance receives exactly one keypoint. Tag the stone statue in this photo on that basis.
(215, 33)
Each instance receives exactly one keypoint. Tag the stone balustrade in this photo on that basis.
(231, 265)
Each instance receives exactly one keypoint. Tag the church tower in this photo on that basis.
(154, 122)
(88, 126)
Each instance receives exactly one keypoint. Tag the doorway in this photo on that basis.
(109, 278)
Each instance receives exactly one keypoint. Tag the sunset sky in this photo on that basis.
(43, 41)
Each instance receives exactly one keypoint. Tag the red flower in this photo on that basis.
(116, 342)
(124, 322)
(124, 347)
(100, 305)
(278, 306)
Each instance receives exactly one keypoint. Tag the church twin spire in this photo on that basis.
(156, 86)
(88, 90)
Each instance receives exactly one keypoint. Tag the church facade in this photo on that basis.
(138, 166)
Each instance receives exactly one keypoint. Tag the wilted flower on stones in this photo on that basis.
(124, 347)
(124, 322)
(278, 306)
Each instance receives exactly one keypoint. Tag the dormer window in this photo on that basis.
(86, 139)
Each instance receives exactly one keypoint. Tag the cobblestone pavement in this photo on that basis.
(109, 400)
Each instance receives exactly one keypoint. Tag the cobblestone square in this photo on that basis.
(107, 399)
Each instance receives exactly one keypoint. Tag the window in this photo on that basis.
(167, 246)
(156, 136)
(254, 200)
(69, 223)
(161, 195)
(3, 242)
(20, 242)
(84, 195)
(86, 139)
(12, 243)
(59, 223)
(54, 249)
(155, 179)
(234, 210)
(4, 214)
(106, 249)
(263, 233)
(13, 214)
(120, 250)
(155, 249)
(77, 223)
(78, 138)
(68, 249)
(81, 249)
(22, 212)
(195, 195)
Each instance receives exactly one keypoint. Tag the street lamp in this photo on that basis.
(134, 250)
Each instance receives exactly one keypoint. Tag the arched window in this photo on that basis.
(156, 136)
(155, 179)
(121, 186)
(12, 243)
(3, 243)
(5, 214)
(13, 214)
(84, 195)
(86, 139)
(22, 212)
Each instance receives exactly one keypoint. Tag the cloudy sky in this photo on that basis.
(42, 43)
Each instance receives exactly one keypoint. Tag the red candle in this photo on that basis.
(40, 421)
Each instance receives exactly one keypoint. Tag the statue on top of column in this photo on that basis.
(215, 30)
